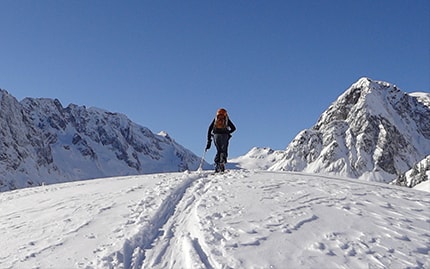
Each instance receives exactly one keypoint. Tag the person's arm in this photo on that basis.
(209, 142)
(231, 125)
(211, 126)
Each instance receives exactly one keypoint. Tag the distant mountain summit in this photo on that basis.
(43, 142)
(373, 131)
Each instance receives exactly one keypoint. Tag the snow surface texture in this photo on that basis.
(373, 131)
(43, 142)
(239, 219)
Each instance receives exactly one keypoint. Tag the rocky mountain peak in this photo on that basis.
(42, 141)
(373, 97)
(373, 131)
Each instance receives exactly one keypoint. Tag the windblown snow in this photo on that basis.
(239, 219)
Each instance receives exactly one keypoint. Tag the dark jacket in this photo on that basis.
(212, 130)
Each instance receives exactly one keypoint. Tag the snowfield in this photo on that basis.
(240, 219)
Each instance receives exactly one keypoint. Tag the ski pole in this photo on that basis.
(201, 161)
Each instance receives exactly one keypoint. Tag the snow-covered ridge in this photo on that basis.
(423, 97)
(373, 131)
(418, 174)
(44, 142)
(258, 158)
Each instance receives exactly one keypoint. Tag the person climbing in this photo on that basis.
(220, 129)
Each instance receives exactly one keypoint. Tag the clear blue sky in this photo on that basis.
(168, 65)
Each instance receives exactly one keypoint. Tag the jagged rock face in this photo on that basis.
(44, 142)
(419, 173)
(372, 131)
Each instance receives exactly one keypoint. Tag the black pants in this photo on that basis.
(221, 144)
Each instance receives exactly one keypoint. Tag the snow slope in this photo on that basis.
(240, 219)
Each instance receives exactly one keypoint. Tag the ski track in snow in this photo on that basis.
(239, 219)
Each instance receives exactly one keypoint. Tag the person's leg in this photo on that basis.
(221, 143)
(218, 145)
(224, 153)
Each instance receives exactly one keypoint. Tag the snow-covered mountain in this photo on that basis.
(240, 219)
(258, 159)
(44, 142)
(373, 131)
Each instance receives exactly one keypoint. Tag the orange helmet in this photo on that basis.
(221, 111)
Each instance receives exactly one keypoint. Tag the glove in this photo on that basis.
(208, 145)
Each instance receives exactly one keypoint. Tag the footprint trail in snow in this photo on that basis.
(245, 219)
(239, 219)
